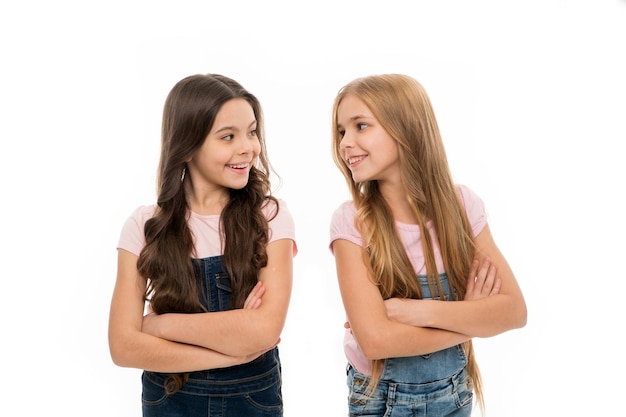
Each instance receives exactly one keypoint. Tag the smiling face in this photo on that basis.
(229, 151)
(367, 149)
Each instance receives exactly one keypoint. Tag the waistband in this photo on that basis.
(411, 392)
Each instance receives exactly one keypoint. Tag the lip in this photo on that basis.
(355, 160)
(239, 168)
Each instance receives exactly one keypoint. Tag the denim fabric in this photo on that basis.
(448, 397)
(213, 283)
(426, 385)
(251, 389)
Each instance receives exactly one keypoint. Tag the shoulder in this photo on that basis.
(474, 207)
(345, 211)
(471, 201)
(276, 209)
(280, 220)
(466, 193)
(132, 235)
(140, 216)
(342, 224)
(144, 212)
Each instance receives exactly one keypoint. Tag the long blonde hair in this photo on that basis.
(402, 107)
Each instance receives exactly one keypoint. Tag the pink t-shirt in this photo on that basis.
(342, 227)
(205, 230)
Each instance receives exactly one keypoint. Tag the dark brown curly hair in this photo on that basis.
(166, 261)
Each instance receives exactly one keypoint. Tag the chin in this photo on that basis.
(239, 186)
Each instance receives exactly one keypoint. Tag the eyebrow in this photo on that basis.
(221, 129)
(353, 118)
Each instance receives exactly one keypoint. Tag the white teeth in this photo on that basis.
(355, 159)
(239, 166)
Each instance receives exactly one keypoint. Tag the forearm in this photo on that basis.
(233, 332)
(242, 331)
(143, 351)
(132, 347)
(477, 318)
(377, 334)
(491, 305)
(392, 339)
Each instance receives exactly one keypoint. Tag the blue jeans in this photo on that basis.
(448, 397)
(426, 385)
(250, 390)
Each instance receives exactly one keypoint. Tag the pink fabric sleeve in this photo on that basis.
(474, 207)
(132, 236)
(342, 225)
(282, 226)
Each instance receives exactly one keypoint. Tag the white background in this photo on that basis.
(531, 100)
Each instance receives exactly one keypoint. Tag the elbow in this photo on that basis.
(373, 346)
(521, 317)
(267, 337)
(119, 361)
(121, 351)
(267, 341)
(372, 353)
(515, 320)
(118, 355)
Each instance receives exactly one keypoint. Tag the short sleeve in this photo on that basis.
(474, 207)
(342, 225)
(282, 226)
(132, 237)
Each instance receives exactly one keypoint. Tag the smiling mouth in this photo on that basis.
(355, 160)
(239, 166)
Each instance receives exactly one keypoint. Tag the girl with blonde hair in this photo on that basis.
(419, 272)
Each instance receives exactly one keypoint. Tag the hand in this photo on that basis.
(407, 310)
(149, 324)
(254, 298)
(482, 282)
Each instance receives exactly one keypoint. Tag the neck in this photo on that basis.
(396, 198)
(207, 201)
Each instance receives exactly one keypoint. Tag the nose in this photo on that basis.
(346, 141)
(245, 145)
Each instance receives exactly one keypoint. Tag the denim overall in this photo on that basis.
(427, 385)
(251, 389)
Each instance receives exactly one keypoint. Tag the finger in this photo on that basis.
(496, 287)
(489, 280)
(249, 301)
(482, 275)
(256, 304)
(471, 279)
(254, 298)
(253, 301)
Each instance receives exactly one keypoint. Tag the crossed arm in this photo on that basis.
(190, 342)
(406, 327)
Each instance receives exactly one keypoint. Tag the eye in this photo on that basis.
(252, 132)
(341, 133)
(361, 126)
(228, 137)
